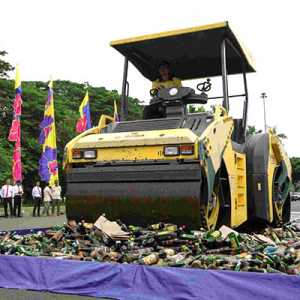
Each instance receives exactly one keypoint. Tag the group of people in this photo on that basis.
(49, 198)
(11, 196)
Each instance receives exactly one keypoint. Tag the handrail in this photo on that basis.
(103, 121)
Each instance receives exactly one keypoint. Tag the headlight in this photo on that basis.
(173, 91)
(89, 154)
(76, 154)
(171, 150)
(179, 150)
(187, 149)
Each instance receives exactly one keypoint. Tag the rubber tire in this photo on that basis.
(286, 211)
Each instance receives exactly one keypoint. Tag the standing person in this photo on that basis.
(7, 194)
(56, 194)
(37, 198)
(18, 193)
(47, 199)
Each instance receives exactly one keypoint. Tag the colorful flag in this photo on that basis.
(48, 167)
(15, 130)
(116, 115)
(84, 122)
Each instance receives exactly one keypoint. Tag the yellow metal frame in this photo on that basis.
(69, 147)
(217, 141)
(140, 138)
(217, 135)
(168, 33)
(104, 121)
(155, 152)
(177, 32)
(236, 167)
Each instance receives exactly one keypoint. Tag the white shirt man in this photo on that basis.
(37, 192)
(7, 194)
(18, 190)
(37, 199)
(7, 191)
(17, 203)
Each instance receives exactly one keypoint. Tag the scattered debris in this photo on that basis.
(276, 250)
(111, 229)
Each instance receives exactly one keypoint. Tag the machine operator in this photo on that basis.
(165, 80)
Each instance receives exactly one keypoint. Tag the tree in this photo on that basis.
(295, 162)
(280, 135)
(5, 67)
(252, 130)
(67, 98)
(196, 109)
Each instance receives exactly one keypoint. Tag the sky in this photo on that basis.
(70, 40)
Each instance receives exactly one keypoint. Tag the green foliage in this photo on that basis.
(67, 98)
(282, 136)
(5, 67)
(252, 130)
(295, 161)
(196, 109)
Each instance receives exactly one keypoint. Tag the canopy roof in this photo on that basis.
(192, 52)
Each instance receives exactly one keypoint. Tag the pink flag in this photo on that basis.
(81, 125)
(14, 133)
(15, 130)
(18, 105)
(17, 165)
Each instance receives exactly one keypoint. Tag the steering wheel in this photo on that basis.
(204, 86)
(153, 92)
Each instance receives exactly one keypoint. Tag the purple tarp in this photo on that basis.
(134, 282)
(27, 230)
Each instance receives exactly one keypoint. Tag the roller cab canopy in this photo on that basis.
(192, 52)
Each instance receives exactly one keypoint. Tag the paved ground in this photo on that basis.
(30, 222)
(27, 221)
(296, 209)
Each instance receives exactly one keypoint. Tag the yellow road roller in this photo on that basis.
(198, 169)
